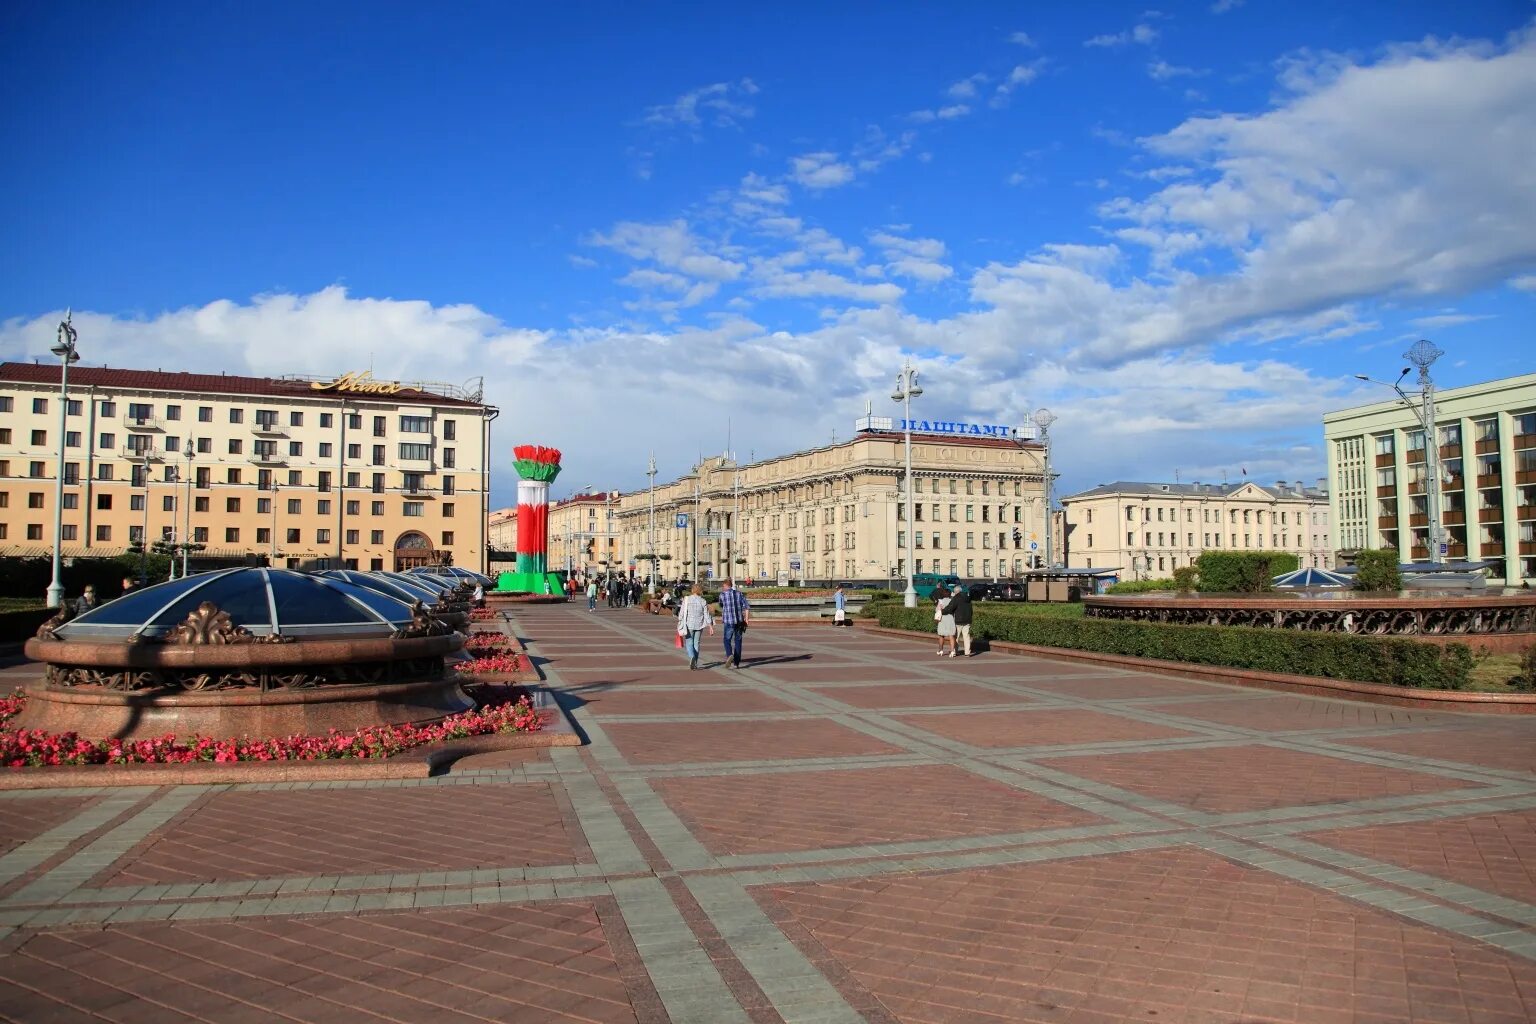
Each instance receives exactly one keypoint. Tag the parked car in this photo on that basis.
(1002, 590)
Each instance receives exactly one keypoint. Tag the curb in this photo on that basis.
(1370, 693)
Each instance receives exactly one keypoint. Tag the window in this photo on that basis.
(378, 483)
(135, 502)
(39, 405)
(205, 445)
(71, 438)
(104, 502)
(35, 499)
(354, 451)
(201, 504)
(295, 506)
(231, 504)
(413, 483)
(173, 412)
(296, 448)
(237, 415)
(419, 452)
(205, 414)
(5, 403)
(263, 535)
(104, 471)
(231, 534)
(295, 419)
(322, 536)
(352, 536)
(377, 508)
(415, 508)
(415, 424)
(354, 421)
(448, 510)
(376, 536)
(378, 455)
(295, 478)
(103, 532)
(293, 536)
(448, 458)
(168, 503)
(378, 426)
(325, 420)
(107, 441)
(323, 507)
(447, 538)
(232, 476)
(447, 485)
(354, 508)
(450, 431)
(325, 449)
(34, 530)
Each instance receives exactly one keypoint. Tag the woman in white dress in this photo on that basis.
(946, 622)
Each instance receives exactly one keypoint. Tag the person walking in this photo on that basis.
(479, 595)
(735, 613)
(840, 600)
(946, 622)
(87, 600)
(592, 595)
(692, 619)
(960, 609)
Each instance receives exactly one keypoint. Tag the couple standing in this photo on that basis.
(693, 618)
(952, 612)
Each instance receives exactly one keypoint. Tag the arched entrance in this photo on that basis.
(413, 549)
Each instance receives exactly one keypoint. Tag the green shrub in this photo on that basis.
(1139, 586)
(16, 626)
(1185, 578)
(1390, 660)
(1376, 569)
(1525, 679)
(1242, 572)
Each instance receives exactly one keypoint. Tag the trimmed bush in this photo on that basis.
(1376, 569)
(1242, 572)
(1186, 578)
(1139, 586)
(1389, 660)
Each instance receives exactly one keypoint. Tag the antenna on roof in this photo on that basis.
(1175, 476)
(1223, 478)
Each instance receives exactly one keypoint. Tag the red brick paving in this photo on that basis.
(279, 833)
(685, 743)
(1249, 778)
(1287, 714)
(925, 695)
(1506, 746)
(533, 963)
(1167, 936)
(1124, 687)
(1495, 852)
(816, 810)
(641, 701)
(676, 674)
(30, 817)
(1038, 728)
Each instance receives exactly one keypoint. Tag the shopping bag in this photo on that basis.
(678, 637)
(839, 615)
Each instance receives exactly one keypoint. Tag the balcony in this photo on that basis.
(1384, 459)
(1489, 549)
(1488, 479)
(1418, 519)
(1460, 550)
(416, 465)
(1525, 512)
(1490, 515)
(1528, 547)
(420, 490)
(1454, 517)
(1386, 492)
(1450, 451)
(1386, 522)
(273, 429)
(1416, 487)
(145, 423)
(1453, 483)
(272, 458)
(1487, 446)
(1415, 456)
(141, 454)
(1524, 441)
(1418, 553)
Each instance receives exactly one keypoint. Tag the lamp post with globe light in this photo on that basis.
(1043, 419)
(906, 390)
(65, 350)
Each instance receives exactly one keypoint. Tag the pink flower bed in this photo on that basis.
(501, 661)
(476, 643)
(29, 748)
(481, 614)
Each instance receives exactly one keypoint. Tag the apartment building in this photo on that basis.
(1150, 529)
(1486, 436)
(291, 471)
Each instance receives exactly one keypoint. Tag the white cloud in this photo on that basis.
(760, 189)
(1525, 282)
(1162, 71)
(1142, 34)
(942, 114)
(915, 258)
(1223, 6)
(777, 282)
(670, 245)
(1448, 320)
(1022, 39)
(819, 171)
(1022, 74)
(581, 262)
(966, 87)
(720, 104)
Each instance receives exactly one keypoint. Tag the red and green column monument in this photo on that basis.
(538, 466)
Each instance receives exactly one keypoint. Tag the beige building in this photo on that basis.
(1147, 530)
(291, 471)
(1486, 435)
(838, 512)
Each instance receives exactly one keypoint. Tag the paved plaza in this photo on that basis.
(847, 830)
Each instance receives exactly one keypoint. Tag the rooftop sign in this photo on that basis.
(887, 423)
(361, 382)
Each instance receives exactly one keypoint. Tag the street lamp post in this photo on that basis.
(906, 390)
(651, 540)
(65, 350)
(186, 546)
(1422, 355)
(144, 534)
(1043, 419)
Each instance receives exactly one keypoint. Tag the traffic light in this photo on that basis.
(1017, 536)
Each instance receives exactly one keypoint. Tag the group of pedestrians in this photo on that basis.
(693, 619)
(952, 612)
(618, 593)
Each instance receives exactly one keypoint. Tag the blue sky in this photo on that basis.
(1181, 228)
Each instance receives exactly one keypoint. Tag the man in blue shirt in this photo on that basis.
(735, 613)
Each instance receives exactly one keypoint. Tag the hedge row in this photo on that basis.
(20, 625)
(1139, 586)
(1388, 660)
(1243, 572)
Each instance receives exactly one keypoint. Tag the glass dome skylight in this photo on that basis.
(263, 601)
(452, 572)
(405, 588)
